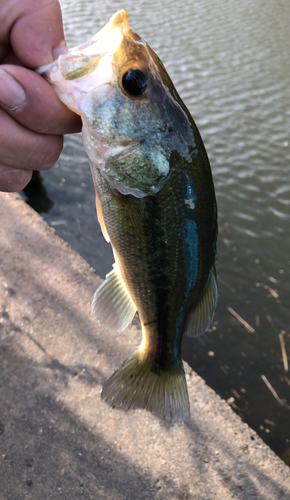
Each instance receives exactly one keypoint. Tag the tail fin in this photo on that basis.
(136, 385)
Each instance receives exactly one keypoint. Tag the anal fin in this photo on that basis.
(112, 305)
(200, 319)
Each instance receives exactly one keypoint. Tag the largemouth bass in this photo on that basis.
(156, 205)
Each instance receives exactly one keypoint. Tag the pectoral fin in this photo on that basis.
(201, 317)
(112, 305)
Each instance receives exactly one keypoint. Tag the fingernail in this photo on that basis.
(59, 50)
(12, 94)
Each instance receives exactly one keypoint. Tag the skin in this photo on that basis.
(32, 118)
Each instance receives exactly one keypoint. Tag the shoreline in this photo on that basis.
(57, 438)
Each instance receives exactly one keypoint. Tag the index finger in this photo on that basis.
(34, 29)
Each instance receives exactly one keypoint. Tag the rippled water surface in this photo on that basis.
(230, 63)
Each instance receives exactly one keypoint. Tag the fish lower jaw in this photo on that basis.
(99, 148)
(121, 148)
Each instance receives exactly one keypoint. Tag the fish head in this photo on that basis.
(128, 105)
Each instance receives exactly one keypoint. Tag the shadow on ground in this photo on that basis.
(57, 438)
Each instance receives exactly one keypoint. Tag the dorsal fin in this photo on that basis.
(101, 219)
(200, 319)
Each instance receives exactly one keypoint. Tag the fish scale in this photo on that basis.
(150, 252)
(156, 205)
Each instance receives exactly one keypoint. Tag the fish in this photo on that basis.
(156, 206)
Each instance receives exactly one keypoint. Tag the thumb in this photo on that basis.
(32, 102)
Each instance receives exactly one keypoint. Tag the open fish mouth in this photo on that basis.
(114, 84)
(87, 67)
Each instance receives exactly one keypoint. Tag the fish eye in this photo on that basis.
(134, 82)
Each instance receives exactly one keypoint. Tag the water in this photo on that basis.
(230, 63)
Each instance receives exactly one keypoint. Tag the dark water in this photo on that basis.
(230, 62)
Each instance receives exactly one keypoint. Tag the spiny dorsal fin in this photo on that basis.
(137, 385)
(101, 219)
(200, 319)
(112, 305)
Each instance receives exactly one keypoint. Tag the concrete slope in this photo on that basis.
(57, 438)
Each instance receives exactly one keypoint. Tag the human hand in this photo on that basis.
(32, 118)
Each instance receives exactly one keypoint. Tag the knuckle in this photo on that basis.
(43, 153)
(54, 147)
